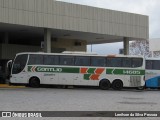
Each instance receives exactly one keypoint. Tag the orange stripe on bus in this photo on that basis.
(84, 70)
(99, 70)
(94, 77)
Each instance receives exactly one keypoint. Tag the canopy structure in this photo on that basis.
(26, 24)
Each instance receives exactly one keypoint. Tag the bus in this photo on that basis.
(78, 69)
(152, 73)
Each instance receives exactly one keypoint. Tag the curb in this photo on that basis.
(10, 86)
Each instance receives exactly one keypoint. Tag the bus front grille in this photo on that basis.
(135, 81)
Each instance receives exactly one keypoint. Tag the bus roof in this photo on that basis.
(79, 54)
(152, 58)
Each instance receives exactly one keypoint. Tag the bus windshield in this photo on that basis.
(19, 63)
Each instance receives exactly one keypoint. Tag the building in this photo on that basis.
(53, 26)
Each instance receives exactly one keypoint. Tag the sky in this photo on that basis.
(144, 7)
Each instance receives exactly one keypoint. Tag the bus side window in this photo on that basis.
(156, 65)
(98, 61)
(137, 62)
(126, 62)
(50, 60)
(82, 61)
(66, 60)
(148, 64)
(35, 60)
(114, 62)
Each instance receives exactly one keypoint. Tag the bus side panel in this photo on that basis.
(21, 78)
(152, 78)
(128, 80)
(124, 78)
(66, 78)
(49, 78)
(153, 82)
(79, 80)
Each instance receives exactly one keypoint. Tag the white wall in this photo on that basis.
(68, 16)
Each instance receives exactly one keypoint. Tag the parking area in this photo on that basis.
(78, 99)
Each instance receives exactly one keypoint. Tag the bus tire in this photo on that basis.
(140, 88)
(104, 84)
(34, 82)
(117, 84)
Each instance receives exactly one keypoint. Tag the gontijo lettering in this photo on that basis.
(42, 69)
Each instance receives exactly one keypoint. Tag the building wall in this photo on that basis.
(70, 44)
(67, 16)
(8, 51)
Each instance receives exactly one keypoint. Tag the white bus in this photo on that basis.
(152, 73)
(80, 69)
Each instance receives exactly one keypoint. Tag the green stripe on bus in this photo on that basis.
(125, 72)
(70, 70)
(53, 69)
(87, 76)
(91, 70)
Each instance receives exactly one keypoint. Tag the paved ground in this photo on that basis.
(79, 99)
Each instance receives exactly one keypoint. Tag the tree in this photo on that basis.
(141, 47)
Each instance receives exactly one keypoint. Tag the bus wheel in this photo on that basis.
(34, 82)
(141, 88)
(104, 84)
(117, 84)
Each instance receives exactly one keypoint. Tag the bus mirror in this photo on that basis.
(9, 64)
